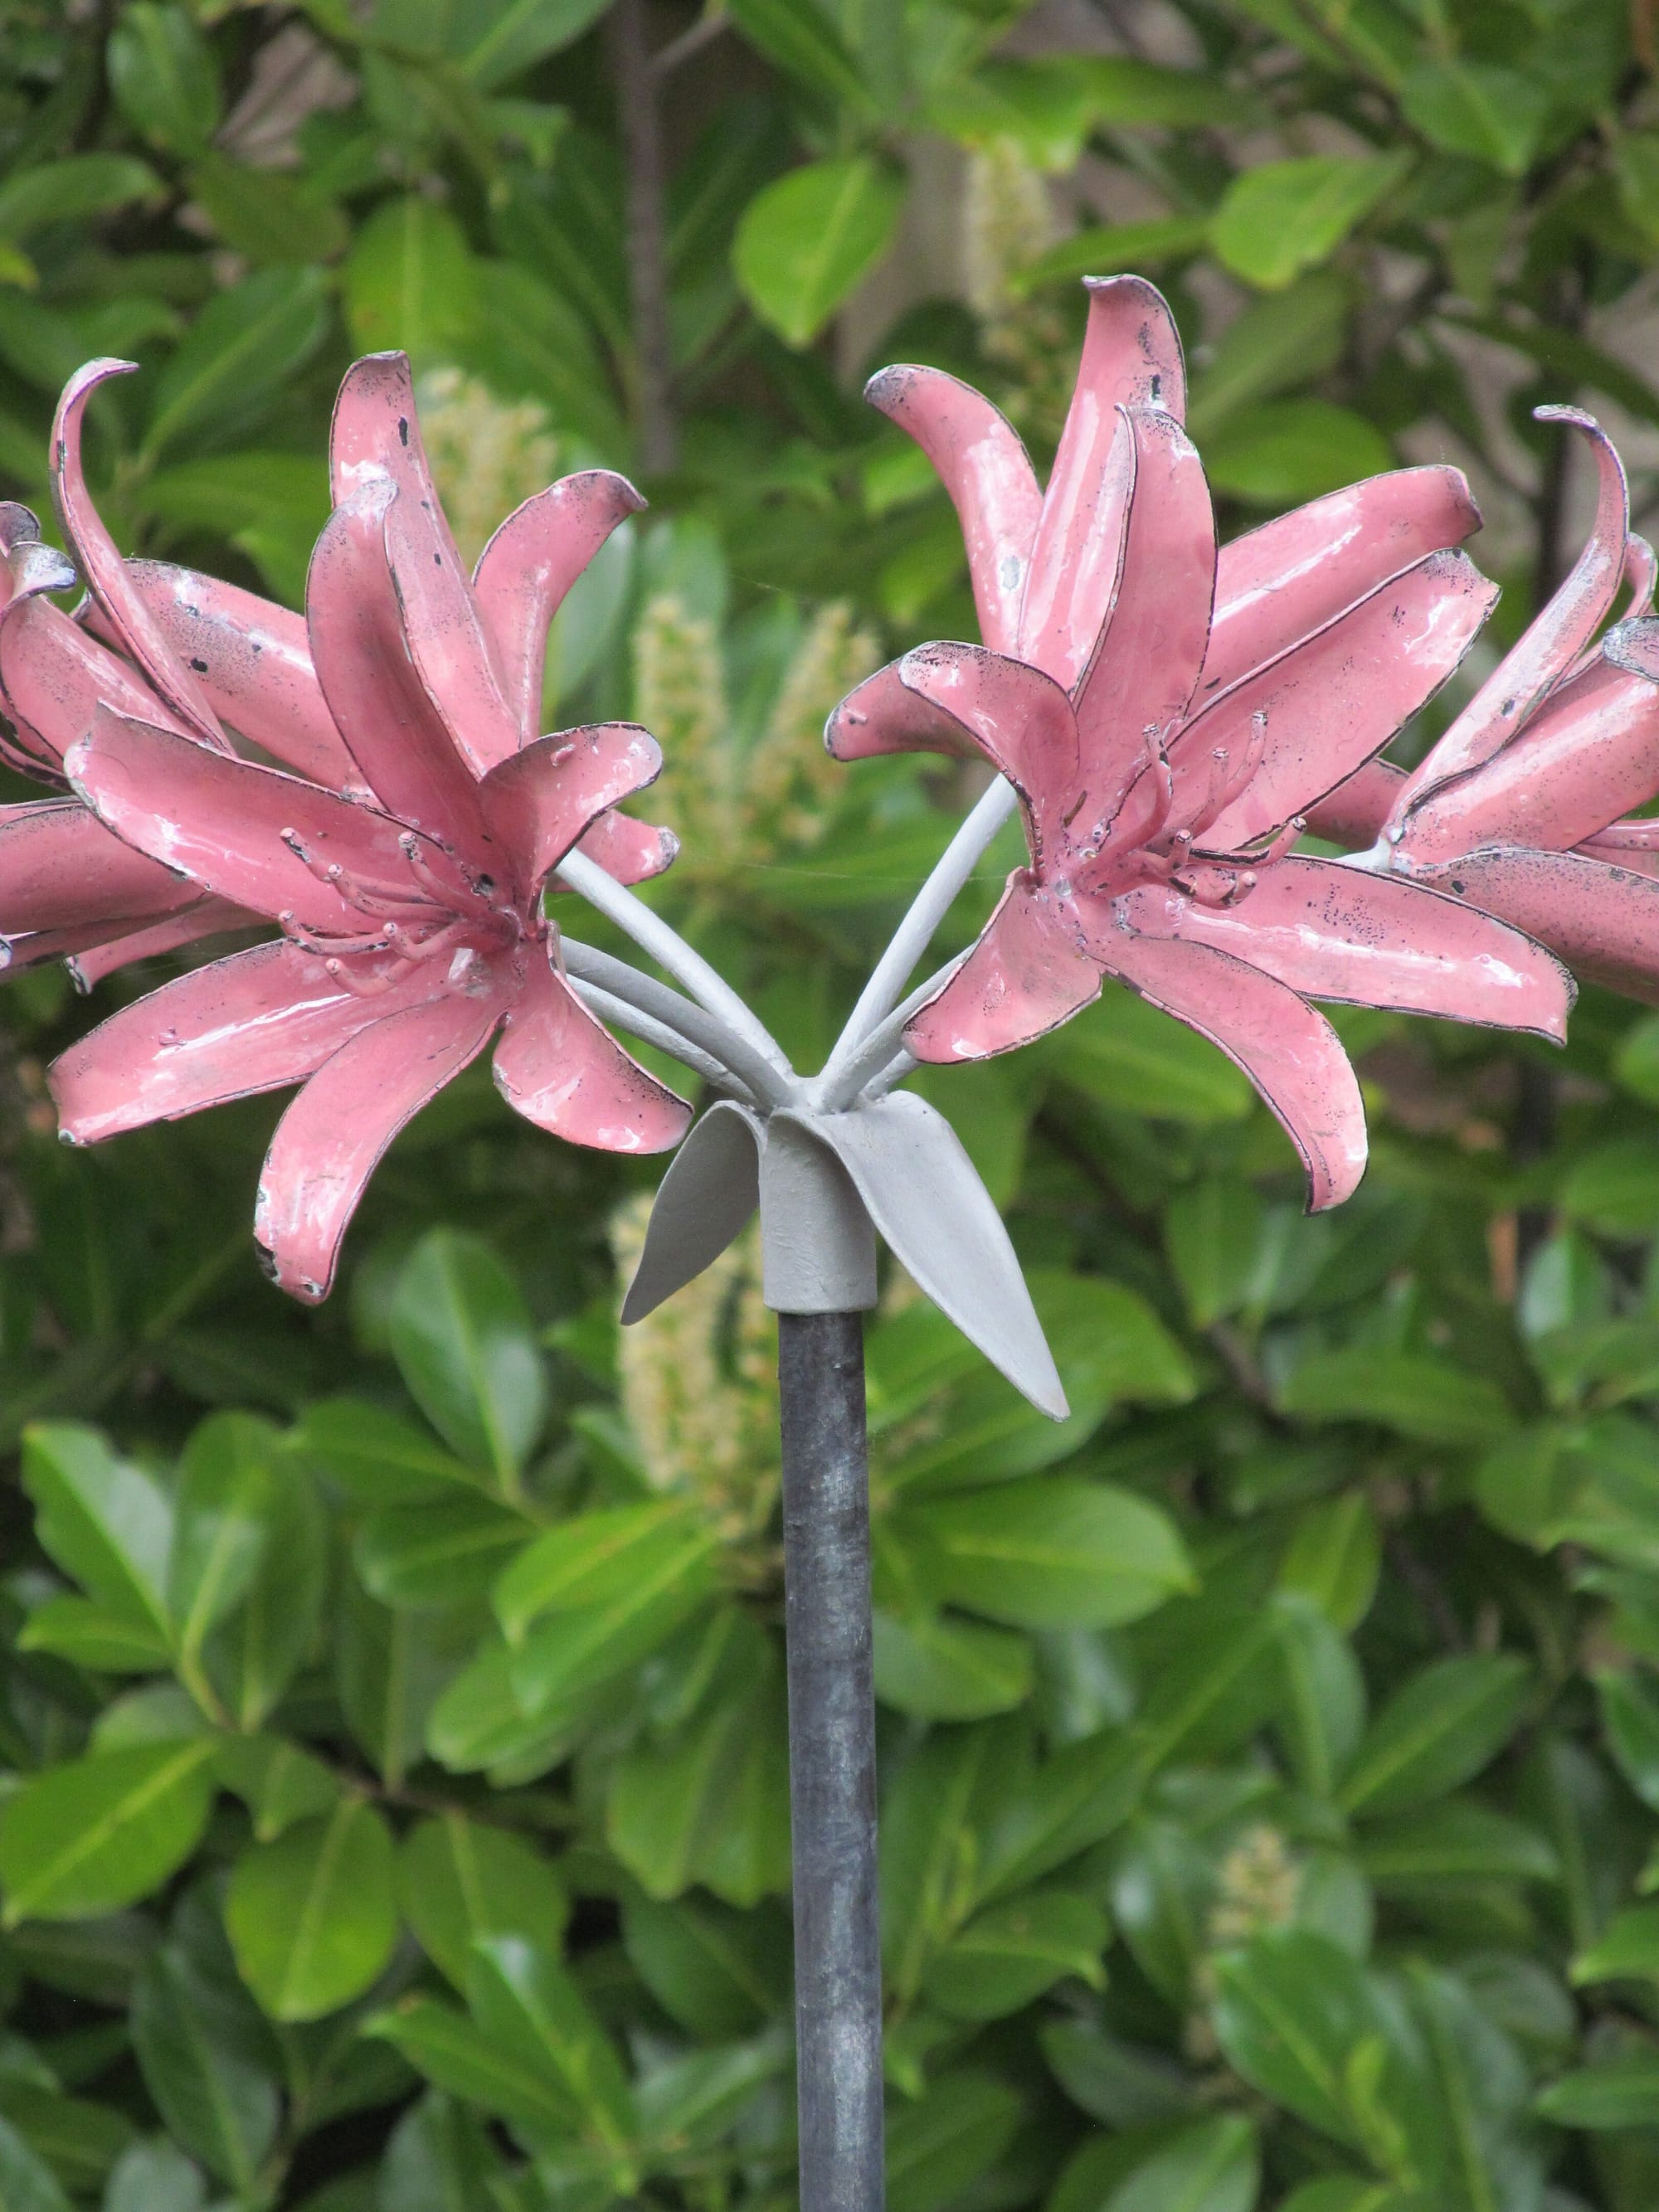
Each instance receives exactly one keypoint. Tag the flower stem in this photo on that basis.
(915, 933)
(882, 1048)
(832, 1760)
(651, 1011)
(670, 951)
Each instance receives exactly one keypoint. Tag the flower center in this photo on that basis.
(440, 911)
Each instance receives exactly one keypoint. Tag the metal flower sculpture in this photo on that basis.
(410, 900)
(1522, 806)
(1166, 717)
(1164, 714)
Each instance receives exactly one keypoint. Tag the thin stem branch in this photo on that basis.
(707, 1045)
(671, 952)
(635, 70)
(915, 933)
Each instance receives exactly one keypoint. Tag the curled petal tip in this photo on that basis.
(888, 387)
(1633, 646)
(1578, 417)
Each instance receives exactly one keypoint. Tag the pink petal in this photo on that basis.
(60, 868)
(1590, 754)
(1634, 845)
(1025, 976)
(540, 802)
(250, 1022)
(1338, 698)
(253, 661)
(1291, 1054)
(103, 569)
(1603, 921)
(221, 820)
(1353, 814)
(1131, 358)
(1150, 647)
(984, 467)
(378, 704)
(561, 1069)
(633, 852)
(882, 714)
(1019, 718)
(331, 1138)
(1641, 576)
(376, 434)
(1556, 636)
(443, 636)
(1280, 583)
(1331, 931)
(27, 565)
(54, 677)
(206, 917)
(529, 565)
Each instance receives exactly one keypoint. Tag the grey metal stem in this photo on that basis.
(915, 933)
(670, 951)
(832, 1761)
(753, 1069)
(622, 1016)
(881, 1048)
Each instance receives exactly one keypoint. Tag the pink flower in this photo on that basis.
(1166, 714)
(212, 662)
(410, 902)
(1519, 806)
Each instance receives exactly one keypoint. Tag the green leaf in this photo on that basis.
(801, 38)
(1628, 1948)
(1456, 1841)
(410, 282)
(459, 1879)
(375, 1456)
(1050, 1553)
(466, 1348)
(441, 1553)
(80, 2140)
(444, 2045)
(27, 2182)
(103, 1830)
(73, 189)
(163, 74)
(718, 1973)
(264, 216)
(530, 2007)
(242, 347)
(1212, 2167)
(254, 1655)
(950, 1670)
(711, 1803)
(1145, 244)
(1121, 2085)
(311, 1916)
(1283, 218)
(1212, 1231)
(1291, 2011)
(1439, 1728)
(89, 1635)
(1324, 1709)
(1630, 1715)
(439, 2159)
(1614, 1188)
(1410, 1393)
(205, 2063)
(1494, 115)
(506, 37)
(1282, 341)
(154, 2176)
(102, 1520)
(940, 2144)
(1129, 1055)
(1009, 1955)
(1334, 1557)
(806, 242)
(226, 1512)
(594, 1559)
(278, 1782)
(1043, 107)
(1078, 1796)
(1620, 2093)
(1287, 450)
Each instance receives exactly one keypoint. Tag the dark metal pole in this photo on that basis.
(832, 1761)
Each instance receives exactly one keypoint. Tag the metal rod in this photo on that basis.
(915, 933)
(883, 1047)
(622, 1016)
(670, 951)
(755, 1073)
(832, 1761)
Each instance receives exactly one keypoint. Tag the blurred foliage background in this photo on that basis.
(394, 1813)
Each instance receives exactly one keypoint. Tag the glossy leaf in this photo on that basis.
(100, 1832)
(459, 1879)
(311, 1914)
(465, 1346)
(808, 240)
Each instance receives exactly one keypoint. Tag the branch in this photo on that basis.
(635, 74)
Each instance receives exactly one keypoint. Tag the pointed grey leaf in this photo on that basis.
(711, 1188)
(924, 1194)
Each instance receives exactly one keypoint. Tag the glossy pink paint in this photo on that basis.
(1168, 715)
(404, 868)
